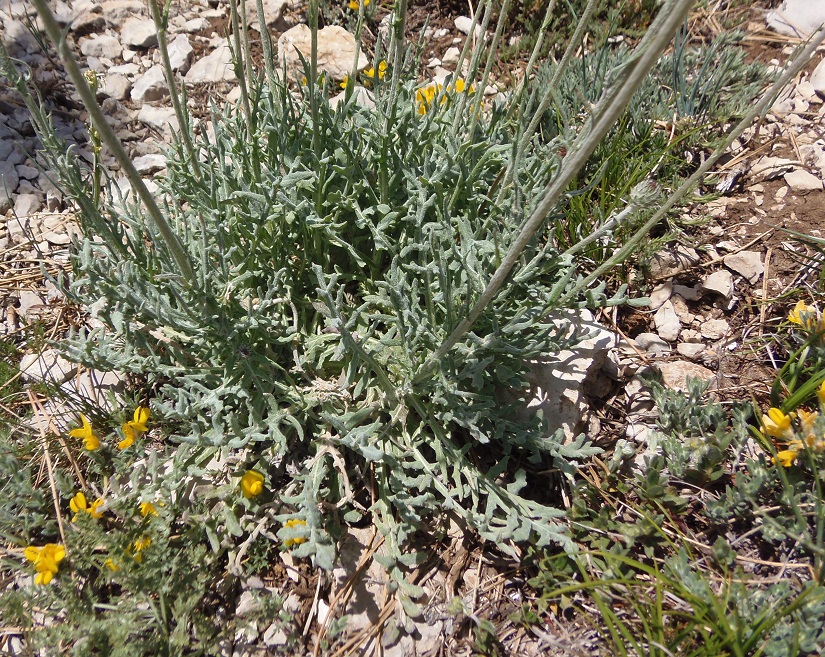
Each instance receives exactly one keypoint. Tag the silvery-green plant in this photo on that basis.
(347, 294)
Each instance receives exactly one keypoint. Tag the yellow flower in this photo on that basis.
(147, 508)
(803, 315)
(85, 433)
(295, 522)
(133, 428)
(382, 71)
(776, 423)
(252, 483)
(786, 457)
(353, 4)
(111, 565)
(78, 503)
(140, 545)
(45, 560)
(821, 392)
(343, 83)
(425, 96)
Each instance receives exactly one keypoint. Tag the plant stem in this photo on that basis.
(110, 139)
(161, 21)
(610, 107)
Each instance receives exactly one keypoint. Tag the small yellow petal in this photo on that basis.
(78, 503)
(111, 565)
(252, 483)
(129, 438)
(786, 457)
(147, 508)
(32, 553)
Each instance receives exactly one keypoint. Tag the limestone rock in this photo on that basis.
(139, 33)
(215, 67)
(768, 168)
(116, 86)
(181, 53)
(102, 46)
(149, 164)
(660, 294)
(559, 383)
(746, 263)
(818, 79)
(714, 329)
(88, 22)
(719, 282)
(797, 18)
(151, 86)
(48, 366)
(450, 57)
(801, 182)
(26, 205)
(336, 51)
(159, 117)
(362, 97)
(273, 12)
(464, 23)
(651, 344)
(691, 350)
(667, 322)
(675, 373)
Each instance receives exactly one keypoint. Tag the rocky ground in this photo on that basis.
(716, 296)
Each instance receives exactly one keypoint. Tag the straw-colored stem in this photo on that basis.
(161, 22)
(108, 137)
(609, 109)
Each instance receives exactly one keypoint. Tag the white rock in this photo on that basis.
(797, 18)
(159, 117)
(719, 282)
(667, 322)
(362, 97)
(151, 86)
(660, 294)
(746, 263)
(559, 383)
(195, 25)
(117, 11)
(802, 182)
(139, 33)
(464, 23)
(102, 46)
(818, 79)
(181, 53)
(26, 205)
(48, 366)
(215, 67)
(714, 329)
(690, 293)
(116, 86)
(651, 344)
(768, 168)
(675, 373)
(149, 164)
(450, 57)
(26, 300)
(692, 350)
(129, 69)
(434, 63)
(336, 51)
(95, 387)
(273, 11)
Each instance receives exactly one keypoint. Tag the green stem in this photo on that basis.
(161, 23)
(110, 139)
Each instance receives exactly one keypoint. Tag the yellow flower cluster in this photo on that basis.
(131, 430)
(78, 504)
(45, 560)
(292, 523)
(353, 4)
(425, 96)
(796, 438)
(807, 317)
(370, 73)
